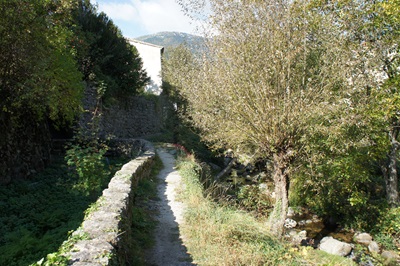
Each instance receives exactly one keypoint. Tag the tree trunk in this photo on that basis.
(390, 173)
(281, 180)
(225, 170)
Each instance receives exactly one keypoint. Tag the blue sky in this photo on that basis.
(142, 17)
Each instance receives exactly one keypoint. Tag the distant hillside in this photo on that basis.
(173, 39)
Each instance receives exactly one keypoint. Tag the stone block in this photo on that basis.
(373, 247)
(363, 238)
(335, 247)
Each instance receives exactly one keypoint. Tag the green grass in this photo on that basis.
(37, 215)
(222, 235)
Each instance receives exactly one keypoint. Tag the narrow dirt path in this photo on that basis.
(169, 249)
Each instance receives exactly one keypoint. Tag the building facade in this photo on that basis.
(151, 56)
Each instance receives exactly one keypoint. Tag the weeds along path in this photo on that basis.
(168, 249)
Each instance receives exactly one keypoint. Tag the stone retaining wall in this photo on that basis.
(138, 116)
(132, 117)
(106, 233)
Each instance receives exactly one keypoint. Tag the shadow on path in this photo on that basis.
(169, 249)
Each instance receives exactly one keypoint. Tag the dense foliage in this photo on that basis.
(38, 73)
(89, 163)
(353, 146)
(47, 48)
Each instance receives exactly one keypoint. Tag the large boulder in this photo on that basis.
(363, 238)
(335, 247)
(373, 247)
(390, 255)
(290, 223)
(296, 238)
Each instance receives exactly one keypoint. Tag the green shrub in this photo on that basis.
(390, 223)
(251, 198)
(389, 229)
(385, 240)
(89, 165)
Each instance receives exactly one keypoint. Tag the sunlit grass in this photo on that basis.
(223, 235)
(220, 235)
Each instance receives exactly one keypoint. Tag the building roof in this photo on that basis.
(144, 43)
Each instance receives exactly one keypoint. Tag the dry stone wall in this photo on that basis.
(132, 117)
(106, 232)
(136, 117)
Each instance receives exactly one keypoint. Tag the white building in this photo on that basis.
(151, 56)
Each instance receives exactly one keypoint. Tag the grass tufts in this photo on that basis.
(218, 234)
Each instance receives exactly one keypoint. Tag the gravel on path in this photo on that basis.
(169, 249)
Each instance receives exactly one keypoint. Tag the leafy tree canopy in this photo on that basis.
(38, 73)
(104, 55)
(309, 85)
